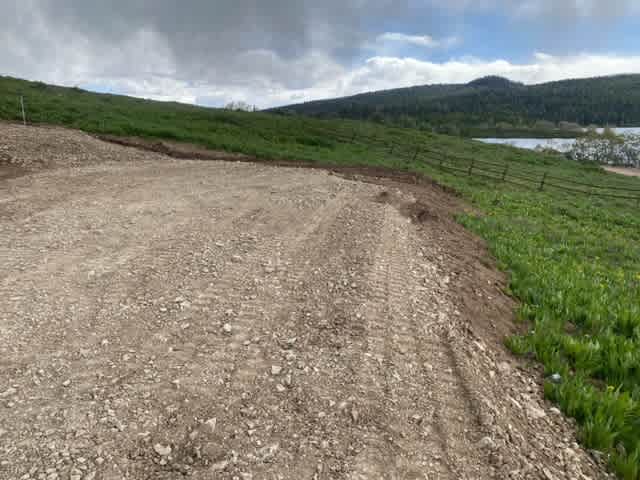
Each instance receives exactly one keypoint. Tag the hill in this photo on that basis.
(491, 104)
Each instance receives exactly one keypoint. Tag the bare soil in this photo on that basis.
(629, 172)
(165, 318)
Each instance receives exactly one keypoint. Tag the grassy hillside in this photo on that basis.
(574, 260)
(492, 105)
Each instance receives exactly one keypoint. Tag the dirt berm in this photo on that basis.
(165, 318)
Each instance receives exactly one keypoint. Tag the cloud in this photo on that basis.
(419, 40)
(380, 73)
(547, 9)
(275, 52)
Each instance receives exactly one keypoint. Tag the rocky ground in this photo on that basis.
(165, 318)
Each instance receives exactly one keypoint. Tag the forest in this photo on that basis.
(492, 104)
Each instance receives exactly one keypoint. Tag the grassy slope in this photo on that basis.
(574, 261)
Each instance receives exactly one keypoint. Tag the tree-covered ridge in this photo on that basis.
(492, 103)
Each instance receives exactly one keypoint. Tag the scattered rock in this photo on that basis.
(266, 454)
(220, 466)
(355, 415)
(417, 419)
(487, 443)
(556, 378)
(504, 368)
(162, 450)
(211, 424)
(276, 370)
(8, 392)
(535, 413)
(227, 329)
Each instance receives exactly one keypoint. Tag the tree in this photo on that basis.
(240, 107)
(608, 149)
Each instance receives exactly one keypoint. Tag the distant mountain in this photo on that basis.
(491, 103)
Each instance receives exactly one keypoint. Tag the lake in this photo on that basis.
(559, 144)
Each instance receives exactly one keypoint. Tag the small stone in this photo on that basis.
(267, 453)
(236, 258)
(355, 415)
(535, 413)
(99, 460)
(211, 424)
(66, 383)
(276, 370)
(220, 466)
(163, 451)
(555, 411)
(487, 443)
(281, 388)
(8, 392)
(227, 329)
(556, 378)
(504, 368)
(90, 476)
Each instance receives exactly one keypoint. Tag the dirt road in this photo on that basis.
(165, 318)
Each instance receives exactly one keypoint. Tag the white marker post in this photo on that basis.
(24, 117)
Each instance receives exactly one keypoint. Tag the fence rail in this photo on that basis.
(501, 172)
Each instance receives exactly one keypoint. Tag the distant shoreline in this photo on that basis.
(531, 133)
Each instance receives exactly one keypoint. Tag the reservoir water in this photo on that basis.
(559, 144)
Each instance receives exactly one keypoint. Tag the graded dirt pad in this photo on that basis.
(166, 318)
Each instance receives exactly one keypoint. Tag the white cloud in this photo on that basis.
(426, 41)
(333, 80)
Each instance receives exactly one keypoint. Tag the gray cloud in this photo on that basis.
(263, 51)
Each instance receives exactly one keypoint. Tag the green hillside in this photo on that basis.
(492, 104)
(572, 253)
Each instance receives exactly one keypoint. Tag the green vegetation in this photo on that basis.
(574, 260)
(493, 106)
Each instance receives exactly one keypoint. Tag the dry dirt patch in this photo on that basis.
(165, 318)
(629, 172)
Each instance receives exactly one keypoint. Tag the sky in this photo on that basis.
(276, 52)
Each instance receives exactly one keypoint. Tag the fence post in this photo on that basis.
(542, 182)
(416, 155)
(504, 173)
(24, 117)
(473, 160)
(391, 151)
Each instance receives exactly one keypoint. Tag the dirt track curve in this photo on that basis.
(162, 319)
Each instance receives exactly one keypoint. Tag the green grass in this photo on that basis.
(574, 261)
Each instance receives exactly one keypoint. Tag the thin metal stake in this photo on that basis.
(504, 174)
(544, 179)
